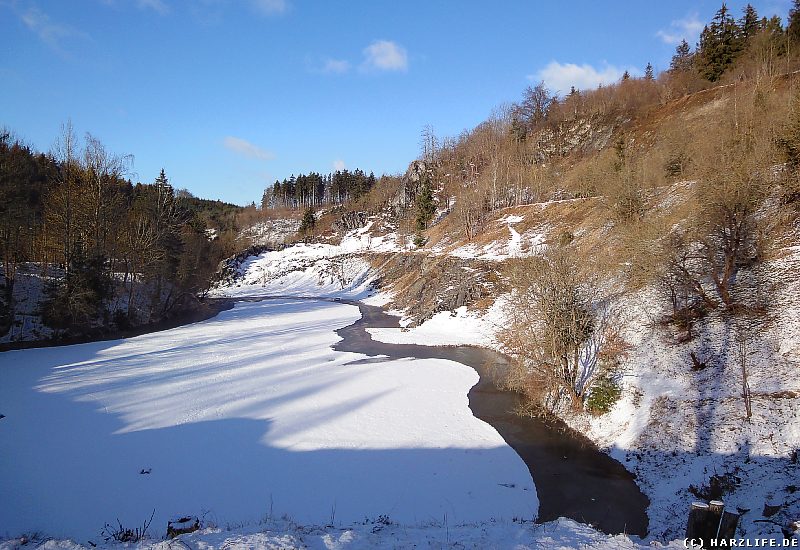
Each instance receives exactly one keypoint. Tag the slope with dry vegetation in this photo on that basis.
(649, 259)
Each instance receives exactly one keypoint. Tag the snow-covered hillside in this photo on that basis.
(322, 270)
(674, 427)
(271, 232)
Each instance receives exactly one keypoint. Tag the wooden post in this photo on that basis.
(748, 405)
(715, 509)
(727, 526)
(697, 519)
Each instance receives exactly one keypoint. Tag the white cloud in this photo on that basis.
(338, 165)
(688, 29)
(270, 7)
(51, 33)
(384, 55)
(336, 66)
(155, 5)
(247, 149)
(559, 77)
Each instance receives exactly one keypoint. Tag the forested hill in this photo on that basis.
(92, 249)
(85, 251)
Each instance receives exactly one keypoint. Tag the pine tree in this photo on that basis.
(683, 58)
(648, 72)
(425, 205)
(749, 23)
(720, 44)
(308, 221)
(793, 28)
(162, 183)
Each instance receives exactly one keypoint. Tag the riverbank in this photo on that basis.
(205, 309)
(573, 478)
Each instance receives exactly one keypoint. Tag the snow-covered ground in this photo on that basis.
(247, 415)
(459, 327)
(673, 427)
(321, 270)
(28, 290)
(518, 244)
(260, 385)
(284, 534)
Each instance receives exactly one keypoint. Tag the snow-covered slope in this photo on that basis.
(271, 232)
(674, 427)
(321, 270)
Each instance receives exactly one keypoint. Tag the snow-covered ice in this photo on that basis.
(243, 416)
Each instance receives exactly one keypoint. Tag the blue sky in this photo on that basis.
(228, 95)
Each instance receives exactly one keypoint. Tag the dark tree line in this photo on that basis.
(97, 238)
(724, 40)
(314, 189)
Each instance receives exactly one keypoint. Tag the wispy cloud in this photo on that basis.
(338, 165)
(50, 32)
(158, 6)
(385, 55)
(246, 149)
(270, 7)
(335, 66)
(688, 29)
(559, 77)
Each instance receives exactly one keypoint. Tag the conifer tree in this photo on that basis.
(793, 27)
(425, 205)
(308, 221)
(162, 183)
(720, 44)
(648, 72)
(749, 23)
(683, 58)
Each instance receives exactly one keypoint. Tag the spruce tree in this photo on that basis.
(162, 183)
(749, 23)
(720, 44)
(648, 72)
(683, 58)
(308, 221)
(793, 28)
(425, 205)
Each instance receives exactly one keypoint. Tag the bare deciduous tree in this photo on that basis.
(559, 329)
